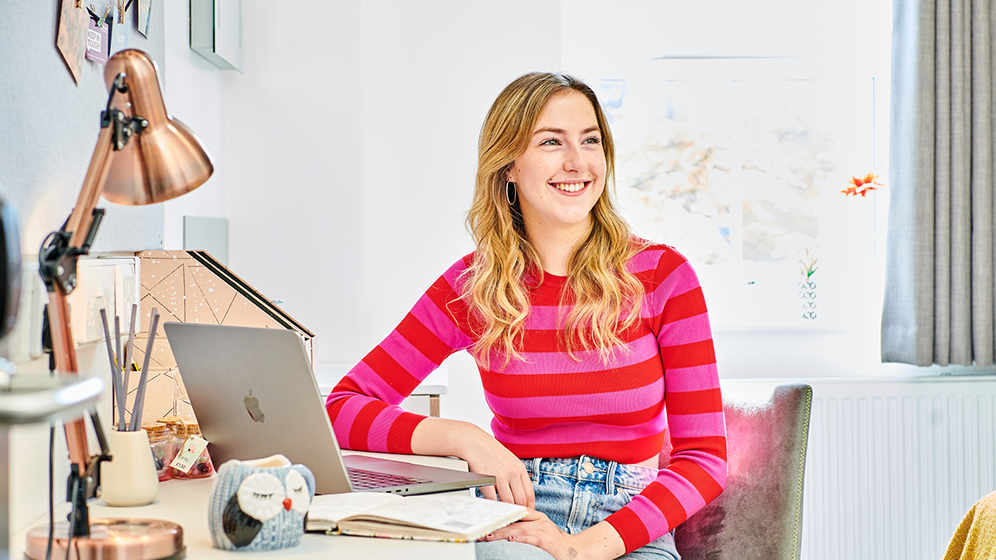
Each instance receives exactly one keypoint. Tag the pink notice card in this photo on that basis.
(96, 42)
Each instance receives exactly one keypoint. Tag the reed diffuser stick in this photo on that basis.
(119, 396)
(136, 413)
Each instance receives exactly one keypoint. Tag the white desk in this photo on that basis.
(185, 502)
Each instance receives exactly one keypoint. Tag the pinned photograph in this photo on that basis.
(143, 15)
(70, 40)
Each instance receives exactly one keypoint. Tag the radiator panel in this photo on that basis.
(894, 464)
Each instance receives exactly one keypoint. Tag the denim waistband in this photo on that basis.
(592, 470)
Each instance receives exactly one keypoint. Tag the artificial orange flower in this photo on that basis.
(862, 185)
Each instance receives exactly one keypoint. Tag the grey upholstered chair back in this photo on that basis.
(759, 515)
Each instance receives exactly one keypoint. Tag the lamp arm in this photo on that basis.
(57, 261)
(57, 267)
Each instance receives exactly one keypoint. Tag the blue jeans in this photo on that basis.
(577, 493)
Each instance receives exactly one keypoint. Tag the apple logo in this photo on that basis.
(252, 405)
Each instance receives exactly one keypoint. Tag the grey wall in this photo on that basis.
(49, 127)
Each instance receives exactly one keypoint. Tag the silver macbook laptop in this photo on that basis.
(255, 395)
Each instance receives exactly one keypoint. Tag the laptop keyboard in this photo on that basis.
(366, 480)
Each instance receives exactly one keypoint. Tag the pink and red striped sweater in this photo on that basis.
(552, 405)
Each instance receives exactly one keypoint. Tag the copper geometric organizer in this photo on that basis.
(191, 287)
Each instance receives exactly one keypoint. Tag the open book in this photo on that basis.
(434, 517)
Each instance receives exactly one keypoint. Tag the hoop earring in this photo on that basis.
(511, 195)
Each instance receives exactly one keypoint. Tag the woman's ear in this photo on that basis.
(509, 177)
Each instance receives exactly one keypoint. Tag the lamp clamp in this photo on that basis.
(57, 257)
(124, 126)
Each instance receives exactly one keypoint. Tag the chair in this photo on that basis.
(759, 514)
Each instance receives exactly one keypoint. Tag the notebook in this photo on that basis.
(255, 395)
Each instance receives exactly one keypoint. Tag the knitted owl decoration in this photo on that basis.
(259, 505)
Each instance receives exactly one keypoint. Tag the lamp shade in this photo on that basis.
(167, 159)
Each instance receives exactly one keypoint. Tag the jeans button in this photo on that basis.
(588, 467)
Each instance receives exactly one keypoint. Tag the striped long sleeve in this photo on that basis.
(662, 382)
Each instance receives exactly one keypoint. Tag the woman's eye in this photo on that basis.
(593, 140)
(550, 142)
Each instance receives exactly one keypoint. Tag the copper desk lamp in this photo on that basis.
(143, 156)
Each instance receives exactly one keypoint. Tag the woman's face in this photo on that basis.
(562, 172)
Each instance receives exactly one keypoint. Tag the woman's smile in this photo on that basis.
(571, 188)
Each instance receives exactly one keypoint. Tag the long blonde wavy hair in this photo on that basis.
(605, 294)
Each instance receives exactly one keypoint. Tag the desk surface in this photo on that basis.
(185, 502)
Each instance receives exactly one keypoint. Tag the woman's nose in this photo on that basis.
(574, 159)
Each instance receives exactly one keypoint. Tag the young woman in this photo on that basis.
(580, 331)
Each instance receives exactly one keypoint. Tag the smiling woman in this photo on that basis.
(576, 326)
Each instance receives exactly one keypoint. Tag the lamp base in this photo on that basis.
(120, 539)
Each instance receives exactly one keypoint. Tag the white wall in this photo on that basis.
(292, 126)
(193, 92)
(345, 153)
(430, 71)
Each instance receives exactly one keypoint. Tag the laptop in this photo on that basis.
(255, 395)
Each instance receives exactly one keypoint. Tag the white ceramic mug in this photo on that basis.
(129, 478)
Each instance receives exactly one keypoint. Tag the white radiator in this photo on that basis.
(894, 464)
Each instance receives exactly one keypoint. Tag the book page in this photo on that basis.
(330, 508)
(447, 512)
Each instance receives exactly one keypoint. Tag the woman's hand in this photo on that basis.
(598, 542)
(537, 529)
(483, 453)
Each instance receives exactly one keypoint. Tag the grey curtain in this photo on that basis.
(939, 257)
